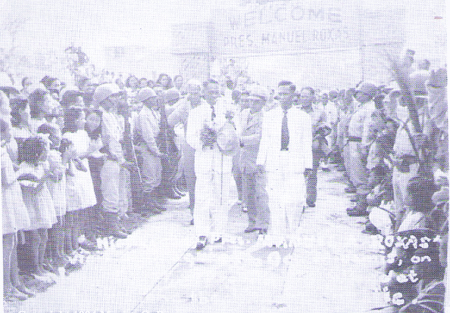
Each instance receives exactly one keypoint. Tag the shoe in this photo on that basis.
(26, 291)
(171, 194)
(357, 212)
(88, 245)
(125, 230)
(350, 189)
(263, 231)
(250, 229)
(112, 226)
(311, 204)
(14, 294)
(202, 241)
(218, 240)
(192, 222)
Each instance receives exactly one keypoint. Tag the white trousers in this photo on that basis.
(212, 189)
(114, 187)
(287, 197)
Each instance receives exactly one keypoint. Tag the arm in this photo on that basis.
(109, 139)
(179, 115)
(265, 142)
(307, 142)
(194, 127)
(254, 139)
(148, 134)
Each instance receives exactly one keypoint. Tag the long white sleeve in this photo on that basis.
(307, 141)
(194, 127)
(265, 141)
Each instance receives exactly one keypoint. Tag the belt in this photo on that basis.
(409, 159)
(354, 138)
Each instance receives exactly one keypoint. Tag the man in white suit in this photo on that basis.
(286, 153)
(212, 164)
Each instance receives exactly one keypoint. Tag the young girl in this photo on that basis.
(14, 218)
(40, 108)
(38, 200)
(73, 196)
(57, 187)
(74, 121)
(96, 160)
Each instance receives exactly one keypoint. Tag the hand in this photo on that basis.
(163, 156)
(129, 166)
(260, 168)
(420, 140)
(308, 171)
(79, 166)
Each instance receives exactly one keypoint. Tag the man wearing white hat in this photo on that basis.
(210, 133)
(253, 181)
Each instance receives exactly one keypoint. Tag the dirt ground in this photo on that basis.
(333, 268)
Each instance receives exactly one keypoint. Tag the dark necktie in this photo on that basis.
(284, 132)
(213, 113)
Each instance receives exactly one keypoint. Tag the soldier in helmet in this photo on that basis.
(107, 97)
(147, 128)
(358, 145)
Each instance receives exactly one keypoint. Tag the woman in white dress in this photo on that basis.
(74, 121)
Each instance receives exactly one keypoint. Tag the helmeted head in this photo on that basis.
(106, 92)
(365, 92)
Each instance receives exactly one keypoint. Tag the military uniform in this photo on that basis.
(318, 119)
(358, 145)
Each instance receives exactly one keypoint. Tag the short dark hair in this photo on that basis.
(17, 104)
(70, 116)
(65, 143)
(36, 99)
(421, 190)
(127, 81)
(31, 149)
(95, 134)
(169, 84)
(24, 80)
(46, 129)
(310, 89)
(291, 85)
(207, 82)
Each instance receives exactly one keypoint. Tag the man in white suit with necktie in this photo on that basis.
(285, 153)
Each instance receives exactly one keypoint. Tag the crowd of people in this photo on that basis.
(78, 161)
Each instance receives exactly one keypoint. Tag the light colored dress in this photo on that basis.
(39, 203)
(14, 212)
(81, 142)
(57, 188)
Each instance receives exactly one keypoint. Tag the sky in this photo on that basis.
(94, 25)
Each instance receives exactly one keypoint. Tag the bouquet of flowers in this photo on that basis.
(208, 136)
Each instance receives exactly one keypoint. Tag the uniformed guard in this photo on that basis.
(358, 145)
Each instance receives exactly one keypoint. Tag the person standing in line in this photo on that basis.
(285, 153)
(147, 128)
(213, 162)
(358, 145)
(254, 193)
(107, 96)
(318, 120)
